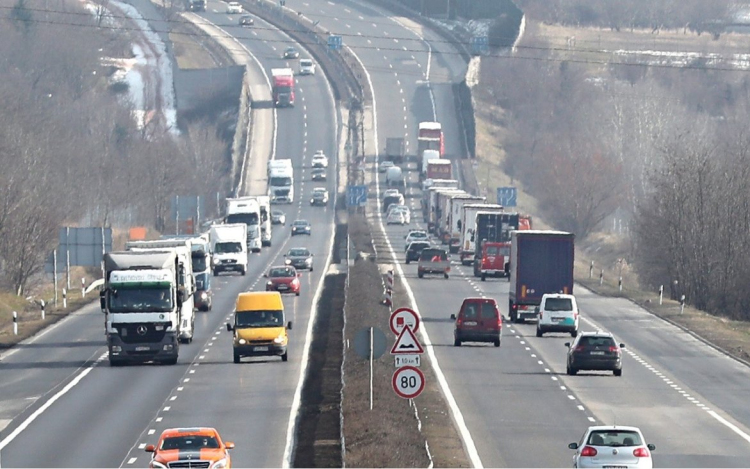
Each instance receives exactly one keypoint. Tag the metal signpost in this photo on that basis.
(369, 343)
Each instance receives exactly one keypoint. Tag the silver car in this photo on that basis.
(299, 258)
(612, 446)
(278, 217)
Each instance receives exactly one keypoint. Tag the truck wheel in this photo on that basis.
(484, 277)
(445, 275)
(407, 261)
(311, 268)
(573, 333)
(237, 357)
(215, 272)
(456, 342)
(171, 361)
(296, 294)
(617, 372)
(420, 274)
(244, 271)
(113, 362)
(285, 357)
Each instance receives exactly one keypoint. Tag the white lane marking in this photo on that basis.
(294, 411)
(571, 397)
(554, 378)
(180, 388)
(173, 398)
(8, 439)
(132, 460)
(547, 370)
(730, 425)
(592, 419)
(151, 431)
(186, 380)
(540, 362)
(458, 417)
(142, 446)
(563, 388)
(166, 409)
(159, 419)
(580, 407)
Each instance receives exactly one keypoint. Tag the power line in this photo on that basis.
(390, 49)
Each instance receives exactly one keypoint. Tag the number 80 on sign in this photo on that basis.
(408, 382)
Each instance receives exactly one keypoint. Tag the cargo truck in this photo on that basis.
(246, 210)
(436, 183)
(283, 87)
(432, 205)
(281, 185)
(455, 213)
(442, 212)
(427, 156)
(492, 243)
(430, 137)
(142, 304)
(540, 262)
(395, 149)
(468, 224)
(439, 169)
(229, 248)
(200, 257)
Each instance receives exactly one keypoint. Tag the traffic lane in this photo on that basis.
(34, 368)
(647, 399)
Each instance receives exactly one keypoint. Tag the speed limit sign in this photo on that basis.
(408, 382)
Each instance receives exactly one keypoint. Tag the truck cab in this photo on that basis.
(495, 260)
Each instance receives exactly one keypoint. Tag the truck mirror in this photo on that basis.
(289, 325)
(567, 344)
(229, 327)
(453, 316)
(265, 275)
(103, 303)
(150, 448)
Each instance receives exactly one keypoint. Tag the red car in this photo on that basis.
(283, 279)
(190, 447)
(479, 320)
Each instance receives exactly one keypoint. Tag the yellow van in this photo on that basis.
(259, 327)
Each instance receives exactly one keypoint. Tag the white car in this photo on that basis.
(306, 67)
(385, 165)
(319, 160)
(403, 209)
(390, 192)
(396, 218)
(415, 235)
(612, 446)
(234, 7)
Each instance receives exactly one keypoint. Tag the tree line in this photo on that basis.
(70, 151)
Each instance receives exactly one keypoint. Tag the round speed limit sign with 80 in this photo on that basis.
(408, 382)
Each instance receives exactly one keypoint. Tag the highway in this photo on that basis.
(63, 406)
(519, 406)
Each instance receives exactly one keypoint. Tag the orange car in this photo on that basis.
(190, 447)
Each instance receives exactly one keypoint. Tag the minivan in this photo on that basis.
(478, 320)
(259, 327)
(557, 313)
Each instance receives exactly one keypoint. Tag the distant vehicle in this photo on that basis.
(394, 176)
(395, 217)
(234, 7)
(319, 174)
(396, 199)
(197, 5)
(395, 149)
(278, 217)
(306, 67)
(430, 137)
(414, 249)
(492, 235)
(246, 20)
(404, 210)
(478, 320)
(319, 160)
(283, 87)
(433, 261)
(259, 329)
(390, 192)
(189, 447)
(283, 279)
(319, 196)
(596, 351)
(229, 247)
(301, 227)
(415, 235)
(385, 166)
(557, 313)
(291, 53)
(612, 446)
(299, 258)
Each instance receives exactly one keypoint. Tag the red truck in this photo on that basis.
(283, 87)
(439, 169)
(430, 137)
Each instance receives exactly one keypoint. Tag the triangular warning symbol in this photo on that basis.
(407, 343)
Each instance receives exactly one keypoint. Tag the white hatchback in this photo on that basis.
(319, 160)
(612, 446)
(416, 235)
(234, 7)
(404, 210)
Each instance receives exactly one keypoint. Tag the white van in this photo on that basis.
(306, 67)
(394, 177)
(557, 313)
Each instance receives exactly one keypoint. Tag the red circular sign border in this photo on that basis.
(416, 326)
(396, 389)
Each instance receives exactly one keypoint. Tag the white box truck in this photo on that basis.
(229, 247)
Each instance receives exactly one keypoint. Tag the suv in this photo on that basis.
(557, 313)
(478, 320)
(414, 249)
(594, 351)
(234, 7)
(306, 67)
(319, 160)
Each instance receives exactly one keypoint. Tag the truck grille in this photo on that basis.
(189, 464)
(134, 333)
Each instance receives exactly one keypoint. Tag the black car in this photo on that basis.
(301, 227)
(319, 174)
(299, 258)
(291, 53)
(392, 200)
(415, 247)
(594, 351)
(246, 20)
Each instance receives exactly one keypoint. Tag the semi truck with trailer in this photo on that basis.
(246, 210)
(492, 243)
(281, 185)
(454, 218)
(540, 262)
(468, 225)
(395, 150)
(200, 257)
(442, 211)
(439, 169)
(142, 301)
(430, 137)
(283, 87)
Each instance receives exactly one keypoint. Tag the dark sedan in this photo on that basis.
(594, 351)
(300, 258)
(301, 227)
(318, 174)
(414, 249)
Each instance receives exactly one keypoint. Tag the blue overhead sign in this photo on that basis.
(506, 196)
(480, 45)
(335, 42)
(356, 196)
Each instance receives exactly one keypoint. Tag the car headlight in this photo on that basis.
(204, 295)
(312, 201)
(157, 465)
(279, 340)
(269, 283)
(288, 262)
(220, 464)
(308, 260)
(242, 341)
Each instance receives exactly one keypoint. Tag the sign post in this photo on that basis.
(369, 343)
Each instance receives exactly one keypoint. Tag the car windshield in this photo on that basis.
(489, 310)
(189, 442)
(498, 251)
(614, 438)
(199, 262)
(305, 62)
(259, 318)
(280, 181)
(417, 235)
(433, 255)
(418, 246)
(227, 248)
(558, 304)
(277, 214)
(300, 223)
(282, 272)
(246, 218)
(299, 252)
(290, 50)
(139, 298)
(592, 341)
(318, 171)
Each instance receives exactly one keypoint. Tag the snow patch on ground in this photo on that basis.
(472, 71)
(683, 59)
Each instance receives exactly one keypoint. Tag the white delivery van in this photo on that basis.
(229, 247)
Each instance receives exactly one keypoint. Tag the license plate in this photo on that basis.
(260, 349)
(557, 319)
(471, 323)
(614, 467)
(142, 348)
(283, 287)
(597, 353)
